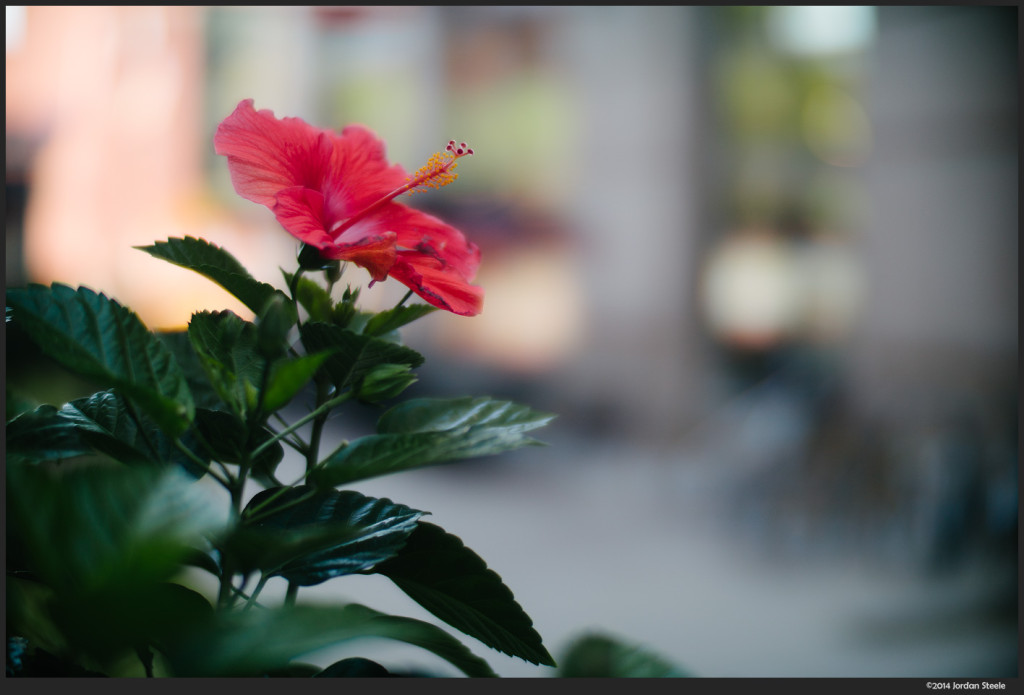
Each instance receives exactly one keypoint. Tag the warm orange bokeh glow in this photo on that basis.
(113, 94)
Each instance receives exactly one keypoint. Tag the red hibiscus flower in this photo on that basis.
(336, 191)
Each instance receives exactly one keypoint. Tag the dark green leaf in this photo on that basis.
(275, 321)
(311, 297)
(355, 354)
(355, 667)
(98, 338)
(601, 656)
(229, 440)
(180, 346)
(89, 527)
(393, 319)
(104, 422)
(422, 432)
(169, 612)
(216, 264)
(203, 559)
(288, 377)
(35, 662)
(454, 414)
(324, 534)
(309, 258)
(43, 435)
(451, 581)
(344, 313)
(17, 403)
(249, 643)
(227, 349)
(294, 670)
(250, 549)
(104, 540)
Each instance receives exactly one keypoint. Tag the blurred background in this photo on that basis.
(761, 261)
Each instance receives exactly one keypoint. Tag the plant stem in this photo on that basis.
(256, 592)
(199, 462)
(313, 452)
(337, 400)
(295, 441)
(404, 299)
(293, 591)
(224, 594)
(293, 286)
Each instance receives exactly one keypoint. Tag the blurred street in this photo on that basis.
(640, 544)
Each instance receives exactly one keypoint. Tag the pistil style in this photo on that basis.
(437, 172)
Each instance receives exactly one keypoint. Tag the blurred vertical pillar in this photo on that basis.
(634, 203)
(940, 325)
(113, 96)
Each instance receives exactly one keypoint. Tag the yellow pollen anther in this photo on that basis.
(440, 168)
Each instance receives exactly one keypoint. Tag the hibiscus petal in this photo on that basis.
(440, 287)
(376, 253)
(431, 238)
(358, 172)
(301, 212)
(267, 154)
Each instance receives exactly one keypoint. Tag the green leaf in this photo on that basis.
(98, 338)
(35, 662)
(250, 643)
(423, 432)
(229, 440)
(356, 355)
(325, 534)
(180, 346)
(42, 435)
(89, 527)
(275, 321)
(266, 550)
(393, 319)
(354, 667)
(344, 313)
(312, 297)
(294, 670)
(168, 612)
(105, 539)
(227, 349)
(601, 656)
(288, 377)
(103, 421)
(454, 414)
(216, 264)
(451, 581)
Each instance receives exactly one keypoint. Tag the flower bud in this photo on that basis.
(385, 381)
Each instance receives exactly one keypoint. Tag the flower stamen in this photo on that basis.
(437, 172)
(440, 168)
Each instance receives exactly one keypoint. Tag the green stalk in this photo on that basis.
(313, 452)
(199, 462)
(404, 299)
(337, 400)
(256, 592)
